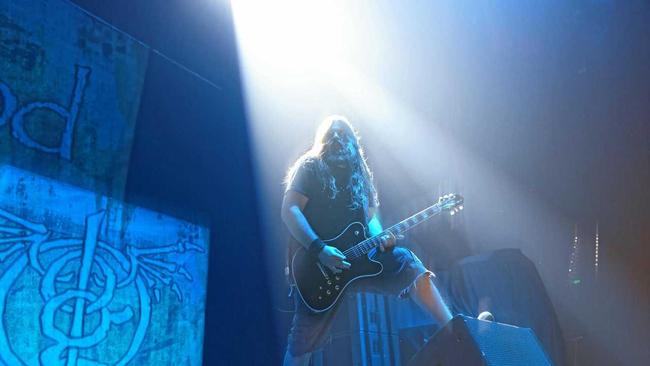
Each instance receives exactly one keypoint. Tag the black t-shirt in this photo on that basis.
(326, 216)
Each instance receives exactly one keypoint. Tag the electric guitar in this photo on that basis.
(320, 288)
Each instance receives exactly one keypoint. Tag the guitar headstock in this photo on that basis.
(451, 202)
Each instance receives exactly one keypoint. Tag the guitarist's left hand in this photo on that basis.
(389, 240)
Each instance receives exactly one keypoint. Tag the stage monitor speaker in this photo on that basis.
(467, 341)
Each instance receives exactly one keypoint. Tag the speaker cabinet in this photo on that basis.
(467, 341)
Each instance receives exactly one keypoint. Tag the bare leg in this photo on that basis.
(302, 360)
(426, 295)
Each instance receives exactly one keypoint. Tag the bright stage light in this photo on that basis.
(289, 35)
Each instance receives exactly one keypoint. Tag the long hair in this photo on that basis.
(362, 189)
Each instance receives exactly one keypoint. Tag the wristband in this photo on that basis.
(315, 247)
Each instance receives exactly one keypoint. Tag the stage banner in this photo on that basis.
(70, 90)
(88, 280)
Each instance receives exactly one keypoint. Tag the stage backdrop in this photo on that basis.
(85, 279)
(69, 94)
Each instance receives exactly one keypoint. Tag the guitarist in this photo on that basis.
(327, 188)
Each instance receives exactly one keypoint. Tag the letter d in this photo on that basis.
(69, 115)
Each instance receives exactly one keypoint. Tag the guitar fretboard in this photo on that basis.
(365, 246)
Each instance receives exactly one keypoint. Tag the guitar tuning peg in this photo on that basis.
(452, 212)
(460, 207)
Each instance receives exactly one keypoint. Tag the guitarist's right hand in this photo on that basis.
(333, 259)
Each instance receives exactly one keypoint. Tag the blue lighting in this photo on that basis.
(87, 279)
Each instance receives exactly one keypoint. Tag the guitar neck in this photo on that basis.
(405, 225)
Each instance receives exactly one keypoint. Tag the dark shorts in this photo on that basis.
(401, 269)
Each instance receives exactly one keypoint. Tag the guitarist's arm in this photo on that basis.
(292, 206)
(375, 228)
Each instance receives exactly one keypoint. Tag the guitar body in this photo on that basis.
(319, 287)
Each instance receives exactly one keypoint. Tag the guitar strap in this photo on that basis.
(366, 219)
(291, 250)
